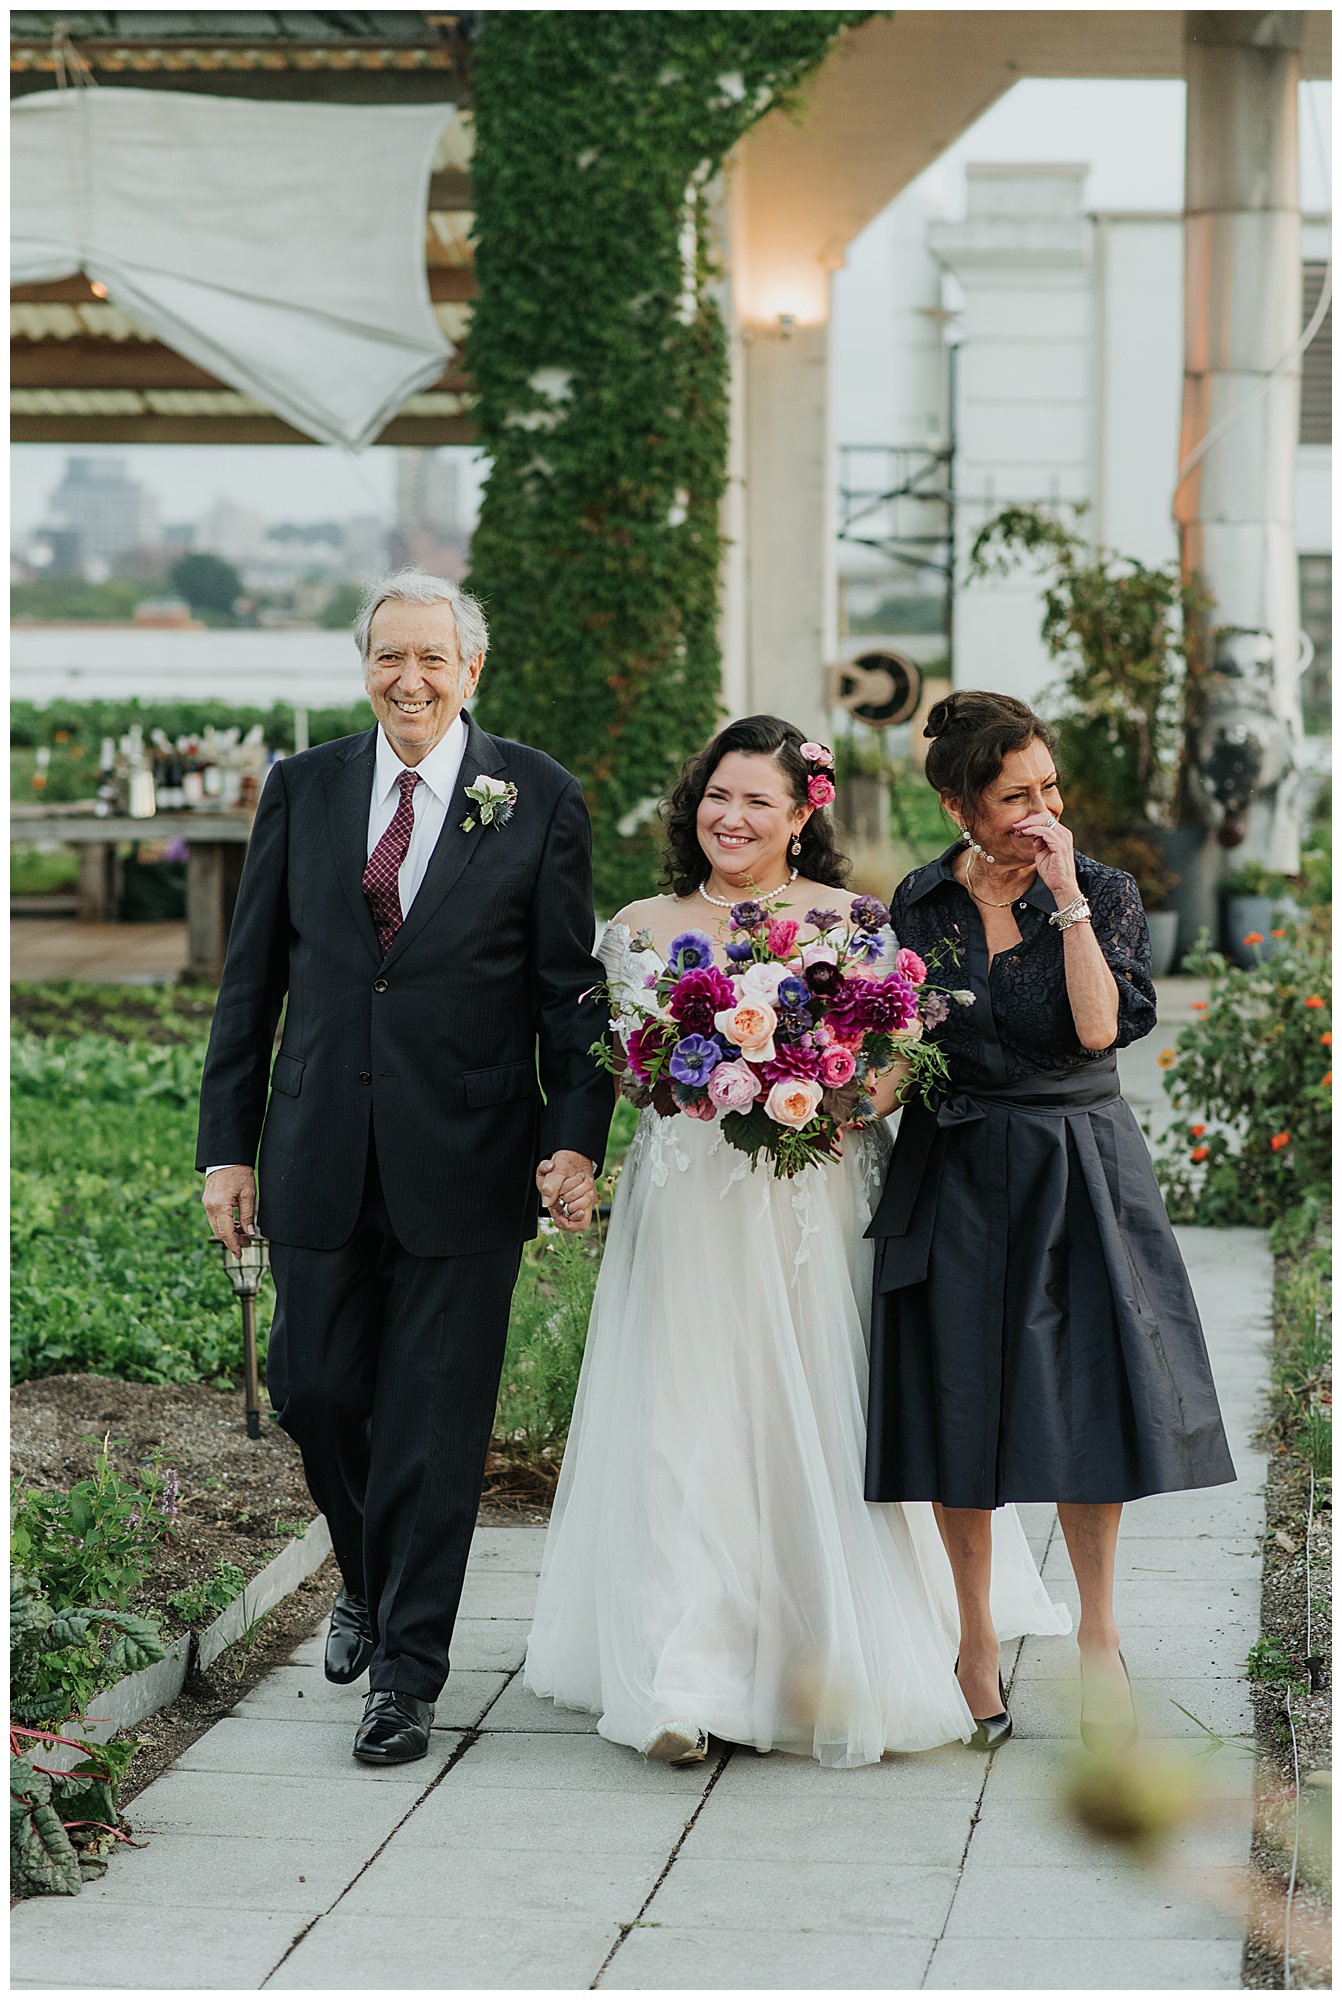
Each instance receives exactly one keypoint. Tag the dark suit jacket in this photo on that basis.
(485, 990)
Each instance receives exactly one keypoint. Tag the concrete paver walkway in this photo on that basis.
(526, 1852)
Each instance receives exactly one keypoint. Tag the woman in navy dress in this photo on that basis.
(1034, 1334)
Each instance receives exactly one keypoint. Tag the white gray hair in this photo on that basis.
(414, 586)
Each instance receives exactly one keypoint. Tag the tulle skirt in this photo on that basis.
(711, 1556)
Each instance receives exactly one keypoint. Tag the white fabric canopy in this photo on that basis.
(278, 246)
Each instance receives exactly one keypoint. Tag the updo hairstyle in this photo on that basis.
(971, 731)
(686, 865)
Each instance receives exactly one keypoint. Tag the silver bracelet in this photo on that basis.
(1075, 912)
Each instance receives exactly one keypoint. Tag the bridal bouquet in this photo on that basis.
(782, 1048)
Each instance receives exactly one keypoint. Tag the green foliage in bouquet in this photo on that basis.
(1254, 1074)
(599, 358)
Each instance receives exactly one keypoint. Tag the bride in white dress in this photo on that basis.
(711, 1565)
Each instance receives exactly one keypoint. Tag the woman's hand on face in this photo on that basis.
(1054, 854)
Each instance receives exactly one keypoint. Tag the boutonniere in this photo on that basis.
(494, 801)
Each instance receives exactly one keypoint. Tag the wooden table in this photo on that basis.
(216, 843)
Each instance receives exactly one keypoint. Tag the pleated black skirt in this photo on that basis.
(1034, 1333)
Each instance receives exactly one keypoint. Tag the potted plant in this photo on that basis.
(1116, 628)
(1255, 902)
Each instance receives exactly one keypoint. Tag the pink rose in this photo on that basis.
(837, 1066)
(912, 967)
(793, 1102)
(817, 753)
(782, 935)
(733, 1086)
(750, 1024)
(820, 791)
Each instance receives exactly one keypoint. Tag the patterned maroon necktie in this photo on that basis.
(381, 889)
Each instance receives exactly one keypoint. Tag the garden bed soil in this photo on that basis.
(241, 1501)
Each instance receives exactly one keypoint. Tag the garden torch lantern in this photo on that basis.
(246, 1273)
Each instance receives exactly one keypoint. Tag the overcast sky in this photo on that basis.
(1131, 134)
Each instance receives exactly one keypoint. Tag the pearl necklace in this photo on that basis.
(760, 895)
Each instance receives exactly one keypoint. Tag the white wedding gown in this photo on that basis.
(710, 1555)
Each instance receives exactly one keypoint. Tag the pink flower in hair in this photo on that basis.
(817, 753)
(820, 791)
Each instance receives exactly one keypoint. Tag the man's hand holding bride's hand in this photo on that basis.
(568, 1189)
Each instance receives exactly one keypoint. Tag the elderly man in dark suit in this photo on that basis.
(422, 894)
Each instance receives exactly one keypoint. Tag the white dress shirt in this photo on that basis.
(438, 774)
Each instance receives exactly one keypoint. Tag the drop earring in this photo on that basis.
(795, 849)
(973, 846)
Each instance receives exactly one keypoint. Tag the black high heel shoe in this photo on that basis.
(990, 1730)
(1109, 1738)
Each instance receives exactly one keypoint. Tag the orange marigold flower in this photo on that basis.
(1166, 1058)
(1196, 1131)
(1326, 1082)
(1313, 1001)
(1327, 1038)
(1280, 1139)
(1278, 933)
(1200, 1152)
(1253, 937)
(1199, 1006)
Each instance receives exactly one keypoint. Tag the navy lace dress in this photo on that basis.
(1034, 1333)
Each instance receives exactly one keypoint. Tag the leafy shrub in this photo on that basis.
(1302, 1392)
(58, 1660)
(194, 1603)
(1255, 1073)
(546, 1334)
(61, 1823)
(113, 1267)
(94, 1544)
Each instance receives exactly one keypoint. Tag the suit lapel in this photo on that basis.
(349, 792)
(454, 849)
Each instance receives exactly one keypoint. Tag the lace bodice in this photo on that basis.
(1021, 1021)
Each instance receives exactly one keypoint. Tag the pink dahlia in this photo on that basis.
(792, 1059)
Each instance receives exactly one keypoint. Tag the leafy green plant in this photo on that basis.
(1271, 1663)
(546, 1335)
(60, 1659)
(1255, 1074)
(113, 1269)
(94, 1544)
(208, 1593)
(61, 1823)
(1251, 878)
(598, 549)
(1119, 630)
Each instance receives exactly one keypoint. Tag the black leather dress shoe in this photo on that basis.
(395, 1728)
(350, 1644)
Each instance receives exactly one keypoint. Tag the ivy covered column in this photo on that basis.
(599, 356)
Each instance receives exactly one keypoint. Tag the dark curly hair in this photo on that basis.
(686, 865)
(971, 732)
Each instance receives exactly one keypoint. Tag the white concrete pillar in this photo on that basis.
(1024, 419)
(790, 570)
(1235, 507)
